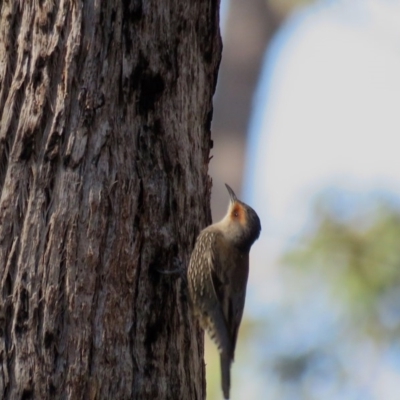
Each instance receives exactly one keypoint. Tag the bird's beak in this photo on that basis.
(232, 194)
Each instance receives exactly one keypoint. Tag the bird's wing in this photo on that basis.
(208, 289)
(237, 306)
(220, 305)
(229, 282)
(221, 284)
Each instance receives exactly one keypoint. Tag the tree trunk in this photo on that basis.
(105, 114)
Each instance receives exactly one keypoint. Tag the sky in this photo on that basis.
(326, 120)
(326, 116)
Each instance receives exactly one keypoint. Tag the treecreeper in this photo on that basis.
(217, 278)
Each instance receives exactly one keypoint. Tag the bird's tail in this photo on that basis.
(226, 361)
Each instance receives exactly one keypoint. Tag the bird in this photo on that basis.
(217, 278)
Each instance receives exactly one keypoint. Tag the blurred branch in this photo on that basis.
(285, 7)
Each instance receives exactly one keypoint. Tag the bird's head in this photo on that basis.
(241, 222)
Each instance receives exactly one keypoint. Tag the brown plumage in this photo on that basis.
(217, 278)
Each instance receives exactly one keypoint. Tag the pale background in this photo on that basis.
(307, 131)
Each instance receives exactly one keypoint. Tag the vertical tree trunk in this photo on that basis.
(105, 114)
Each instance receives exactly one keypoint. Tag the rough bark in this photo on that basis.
(105, 114)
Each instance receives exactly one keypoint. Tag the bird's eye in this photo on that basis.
(236, 214)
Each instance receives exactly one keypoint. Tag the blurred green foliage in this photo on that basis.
(360, 259)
